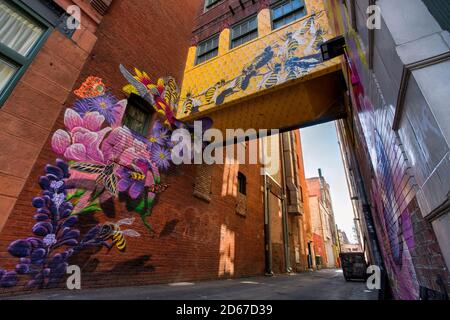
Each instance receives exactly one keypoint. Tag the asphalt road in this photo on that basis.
(319, 285)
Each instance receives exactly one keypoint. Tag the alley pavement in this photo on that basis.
(320, 285)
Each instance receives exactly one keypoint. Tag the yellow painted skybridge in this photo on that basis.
(275, 81)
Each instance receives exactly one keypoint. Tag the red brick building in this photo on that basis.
(194, 239)
(323, 223)
(208, 224)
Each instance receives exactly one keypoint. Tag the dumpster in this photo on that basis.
(354, 266)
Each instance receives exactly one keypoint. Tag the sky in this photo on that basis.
(321, 150)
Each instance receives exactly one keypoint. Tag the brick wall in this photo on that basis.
(191, 236)
(30, 112)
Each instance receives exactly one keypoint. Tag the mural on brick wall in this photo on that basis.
(286, 58)
(100, 159)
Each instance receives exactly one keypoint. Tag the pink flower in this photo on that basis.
(82, 142)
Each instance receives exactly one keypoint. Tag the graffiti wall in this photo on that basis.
(403, 235)
(276, 57)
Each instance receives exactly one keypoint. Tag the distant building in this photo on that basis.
(345, 245)
(325, 238)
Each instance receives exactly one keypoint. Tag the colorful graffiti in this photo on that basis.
(103, 159)
(391, 188)
(286, 58)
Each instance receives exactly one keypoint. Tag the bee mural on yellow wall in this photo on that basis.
(190, 103)
(289, 54)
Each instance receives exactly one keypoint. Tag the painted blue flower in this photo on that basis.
(161, 157)
(106, 105)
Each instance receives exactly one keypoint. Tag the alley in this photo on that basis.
(320, 285)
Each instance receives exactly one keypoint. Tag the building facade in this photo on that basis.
(396, 143)
(325, 236)
(199, 219)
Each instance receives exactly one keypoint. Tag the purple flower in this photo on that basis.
(161, 157)
(42, 257)
(58, 199)
(135, 181)
(160, 135)
(50, 240)
(107, 105)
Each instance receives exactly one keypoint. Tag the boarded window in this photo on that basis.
(202, 184)
(136, 118)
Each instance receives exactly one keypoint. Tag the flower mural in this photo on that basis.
(44, 256)
(106, 105)
(95, 147)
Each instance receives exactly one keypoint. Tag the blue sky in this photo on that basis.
(321, 150)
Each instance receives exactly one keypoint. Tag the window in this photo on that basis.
(244, 32)
(207, 49)
(22, 33)
(242, 183)
(287, 12)
(136, 118)
(210, 3)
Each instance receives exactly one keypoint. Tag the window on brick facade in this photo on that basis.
(207, 49)
(203, 181)
(287, 12)
(22, 33)
(244, 32)
(136, 117)
(242, 183)
(210, 3)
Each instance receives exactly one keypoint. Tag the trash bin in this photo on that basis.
(354, 266)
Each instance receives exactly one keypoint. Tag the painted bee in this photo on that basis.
(319, 38)
(138, 176)
(272, 78)
(158, 188)
(191, 104)
(112, 231)
(212, 92)
(171, 92)
(106, 177)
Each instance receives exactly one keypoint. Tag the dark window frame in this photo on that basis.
(139, 103)
(242, 183)
(22, 62)
(240, 23)
(198, 57)
(279, 4)
(211, 5)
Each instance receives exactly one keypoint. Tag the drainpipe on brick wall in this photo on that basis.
(284, 208)
(267, 245)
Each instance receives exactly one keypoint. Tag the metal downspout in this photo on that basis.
(284, 208)
(267, 245)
